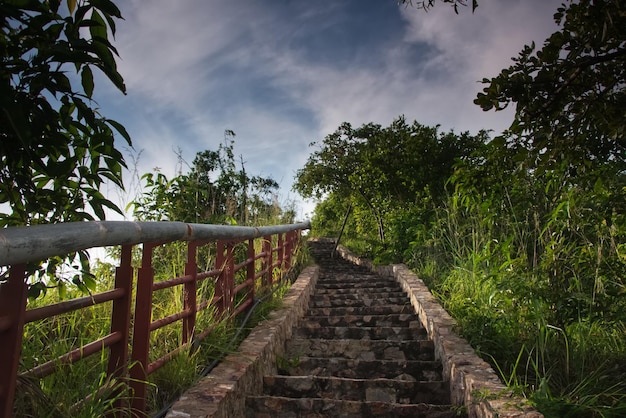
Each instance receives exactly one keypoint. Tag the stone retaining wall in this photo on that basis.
(222, 393)
(473, 383)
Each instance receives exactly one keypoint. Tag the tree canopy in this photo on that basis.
(384, 168)
(214, 190)
(56, 149)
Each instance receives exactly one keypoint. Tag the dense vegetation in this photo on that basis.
(522, 236)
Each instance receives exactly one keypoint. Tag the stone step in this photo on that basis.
(390, 320)
(359, 295)
(354, 282)
(340, 292)
(281, 407)
(381, 390)
(409, 370)
(323, 303)
(360, 310)
(368, 333)
(360, 349)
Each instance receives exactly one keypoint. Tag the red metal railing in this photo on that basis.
(273, 253)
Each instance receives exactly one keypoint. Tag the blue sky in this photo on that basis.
(284, 73)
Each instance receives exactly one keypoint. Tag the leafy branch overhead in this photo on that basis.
(569, 95)
(56, 149)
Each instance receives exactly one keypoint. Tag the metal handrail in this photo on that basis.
(25, 244)
(22, 245)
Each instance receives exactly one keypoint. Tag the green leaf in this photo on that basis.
(99, 30)
(36, 289)
(90, 281)
(116, 78)
(87, 81)
(107, 7)
(120, 128)
(62, 289)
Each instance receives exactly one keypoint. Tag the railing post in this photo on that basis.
(225, 281)
(229, 277)
(220, 287)
(267, 261)
(121, 315)
(141, 332)
(190, 292)
(289, 245)
(12, 308)
(251, 270)
(280, 246)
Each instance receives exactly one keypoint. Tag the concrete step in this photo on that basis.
(371, 390)
(357, 280)
(359, 295)
(360, 349)
(409, 370)
(353, 278)
(283, 407)
(358, 292)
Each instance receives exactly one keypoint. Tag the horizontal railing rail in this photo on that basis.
(38, 242)
(269, 249)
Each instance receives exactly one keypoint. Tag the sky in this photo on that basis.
(284, 73)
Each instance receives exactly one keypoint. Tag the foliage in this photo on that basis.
(56, 150)
(214, 191)
(71, 391)
(382, 170)
(541, 298)
(569, 95)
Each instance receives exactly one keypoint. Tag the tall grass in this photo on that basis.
(80, 390)
(542, 300)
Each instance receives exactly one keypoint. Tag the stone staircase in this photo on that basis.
(359, 352)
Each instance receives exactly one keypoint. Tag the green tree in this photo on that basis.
(567, 150)
(382, 169)
(56, 149)
(213, 191)
(549, 199)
